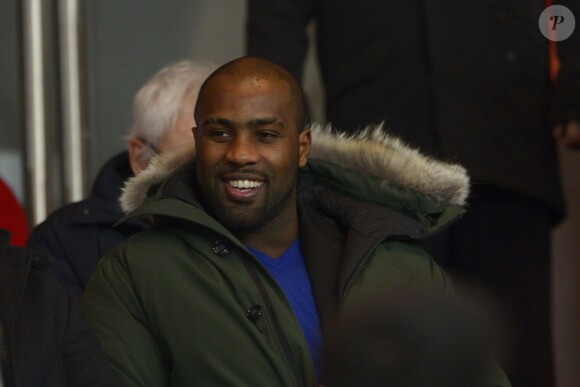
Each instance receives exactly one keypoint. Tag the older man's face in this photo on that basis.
(180, 135)
(249, 147)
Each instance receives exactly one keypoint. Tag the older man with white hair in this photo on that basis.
(78, 234)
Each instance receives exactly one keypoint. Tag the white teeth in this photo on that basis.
(245, 183)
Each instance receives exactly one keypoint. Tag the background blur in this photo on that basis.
(122, 44)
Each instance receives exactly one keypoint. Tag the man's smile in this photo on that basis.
(244, 184)
(242, 189)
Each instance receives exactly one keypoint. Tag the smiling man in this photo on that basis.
(265, 236)
(251, 141)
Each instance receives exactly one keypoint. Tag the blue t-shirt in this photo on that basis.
(290, 272)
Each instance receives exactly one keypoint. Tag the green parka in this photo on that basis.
(186, 304)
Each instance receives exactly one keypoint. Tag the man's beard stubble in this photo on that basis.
(245, 217)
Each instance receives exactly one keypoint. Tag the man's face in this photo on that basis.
(140, 152)
(248, 151)
(181, 133)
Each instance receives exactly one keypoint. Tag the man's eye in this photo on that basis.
(220, 134)
(266, 135)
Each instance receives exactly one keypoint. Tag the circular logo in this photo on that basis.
(557, 23)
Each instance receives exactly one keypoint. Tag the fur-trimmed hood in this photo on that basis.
(396, 168)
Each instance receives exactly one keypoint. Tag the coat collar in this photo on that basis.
(102, 207)
(372, 152)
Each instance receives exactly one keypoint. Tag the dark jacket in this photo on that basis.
(466, 81)
(185, 303)
(79, 234)
(43, 340)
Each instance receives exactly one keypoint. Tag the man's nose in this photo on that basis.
(243, 150)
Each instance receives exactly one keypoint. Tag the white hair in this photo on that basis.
(159, 103)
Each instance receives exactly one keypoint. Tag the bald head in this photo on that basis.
(252, 69)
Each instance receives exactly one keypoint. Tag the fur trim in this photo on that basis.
(374, 152)
(135, 189)
(371, 151)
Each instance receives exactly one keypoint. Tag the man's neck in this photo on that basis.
(272, 239)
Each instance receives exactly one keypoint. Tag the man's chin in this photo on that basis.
(241, 221)
(238, 225)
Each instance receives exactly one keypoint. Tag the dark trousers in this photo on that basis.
(503, 245)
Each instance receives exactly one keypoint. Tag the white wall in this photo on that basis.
(11, 139)
(128, 41)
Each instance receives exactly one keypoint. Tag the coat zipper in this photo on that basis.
(357, 271)
(282, 339)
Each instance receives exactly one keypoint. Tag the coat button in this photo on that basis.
(254, 313)
(221, 248)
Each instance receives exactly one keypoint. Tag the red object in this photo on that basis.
(12, 216)
(553, 52)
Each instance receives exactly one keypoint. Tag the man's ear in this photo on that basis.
(136, 150)
(304, 143)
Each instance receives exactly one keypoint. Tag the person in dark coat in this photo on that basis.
(79, 234)
(463, 81)
(263, 241)
(44, 341)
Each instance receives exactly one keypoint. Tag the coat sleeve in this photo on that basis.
(112, 308)
(47, 237)
(276, 30)
(405, 287)
(84, 362)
